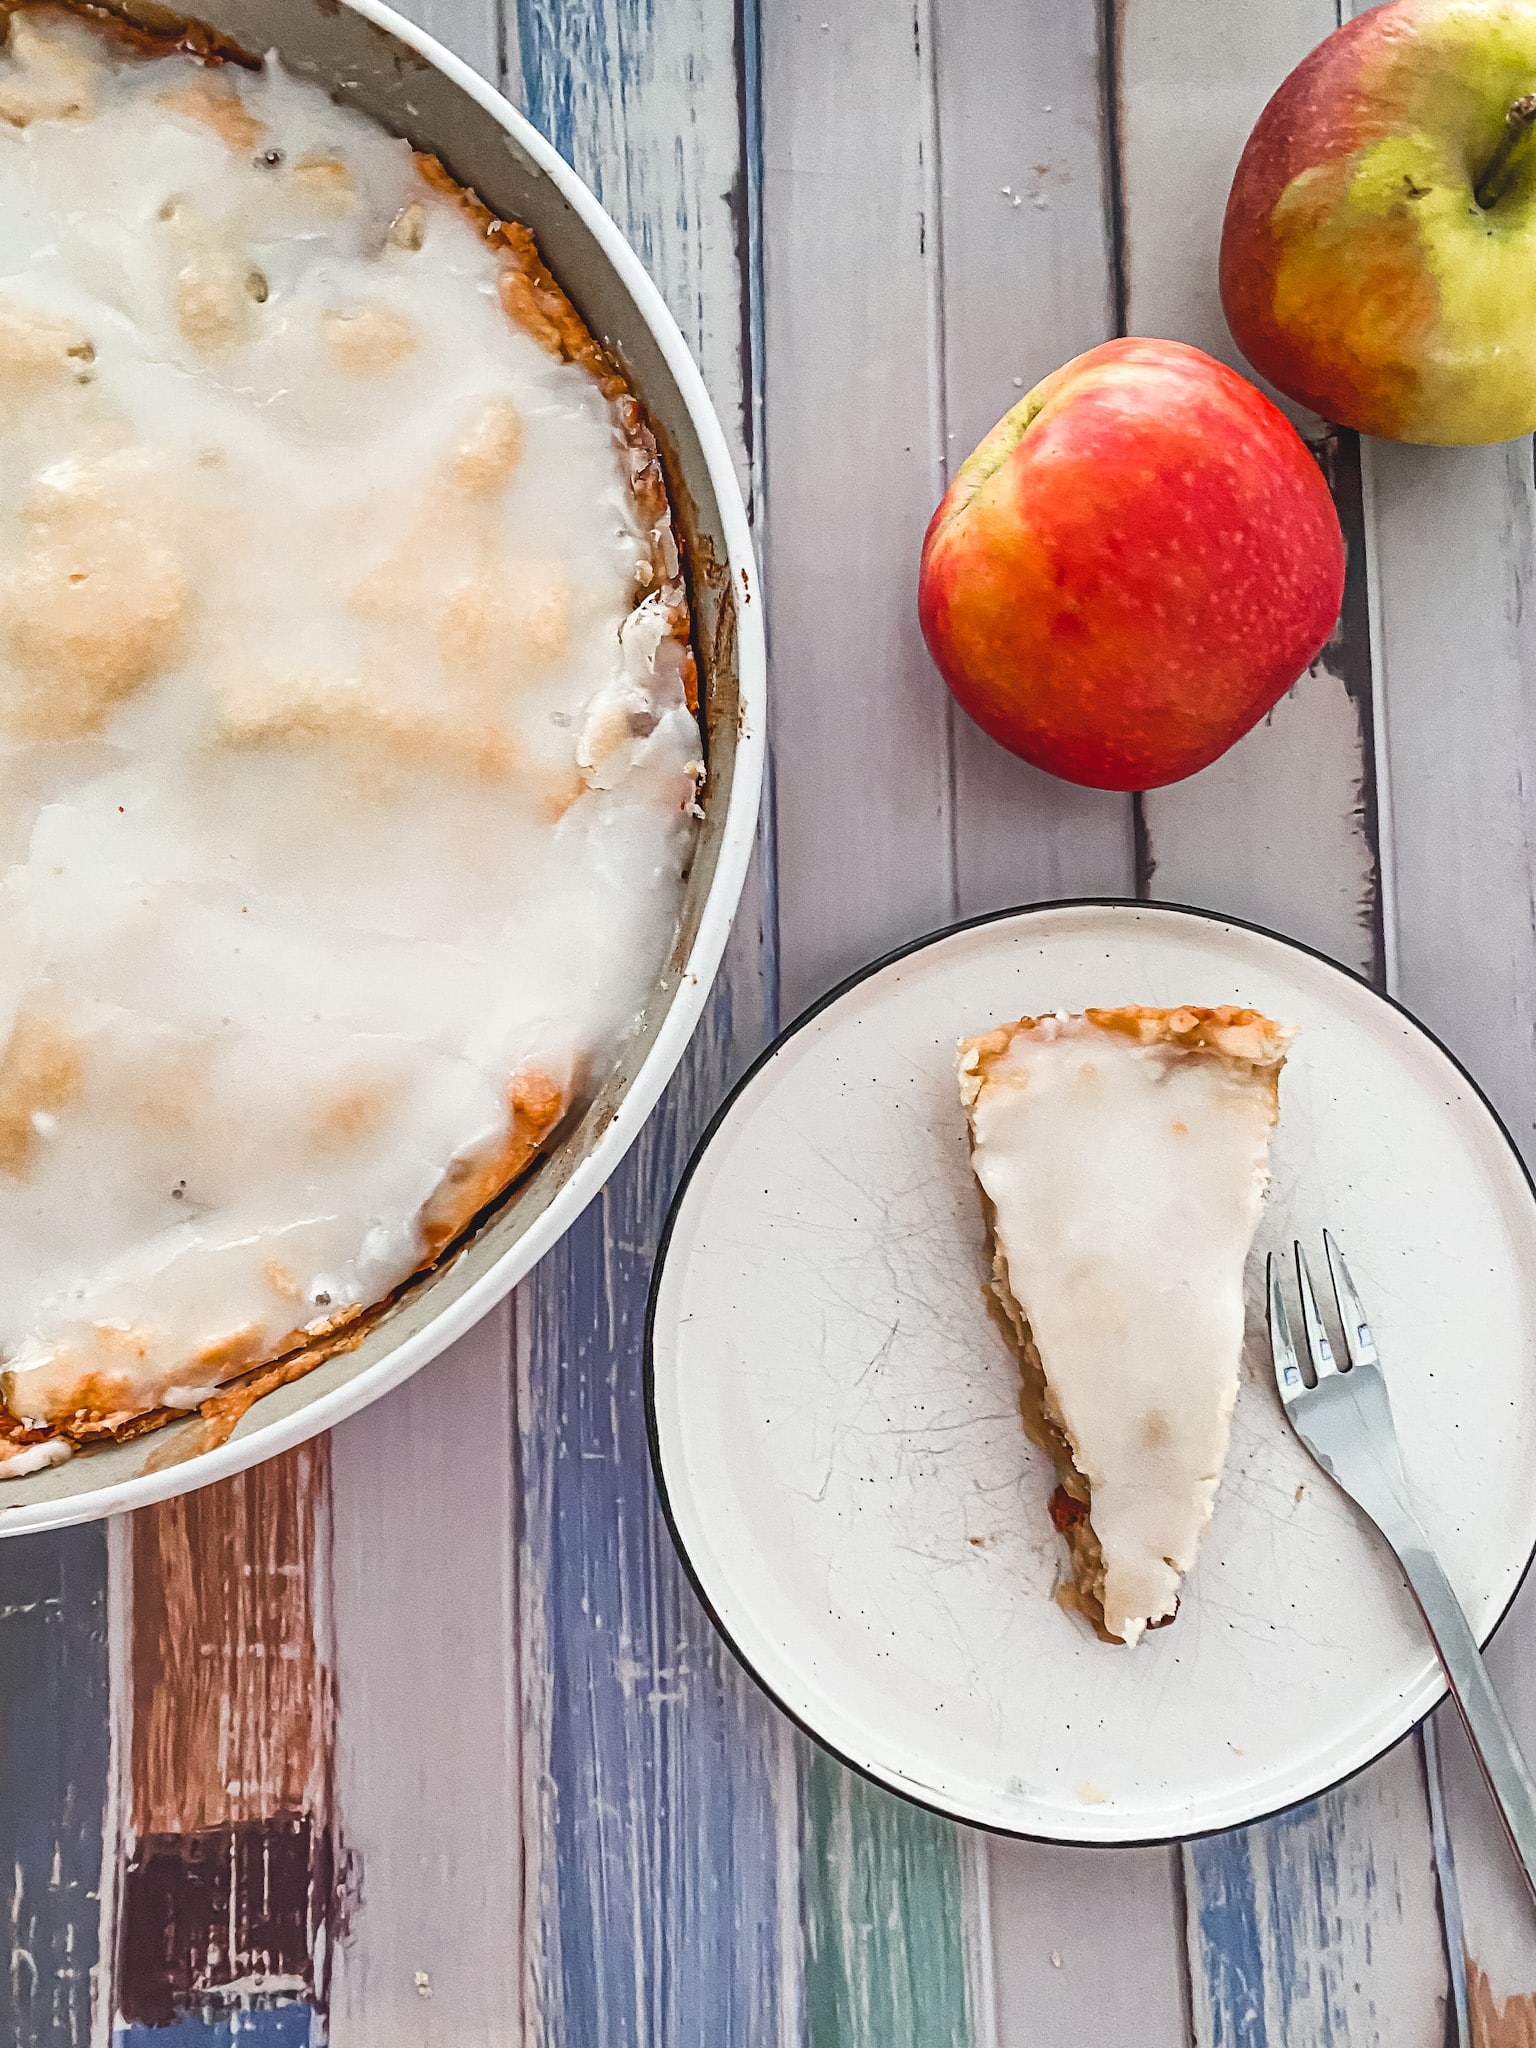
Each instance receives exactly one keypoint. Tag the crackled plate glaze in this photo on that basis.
(835, 1420)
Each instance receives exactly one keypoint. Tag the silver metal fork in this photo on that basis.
(1345, 1420)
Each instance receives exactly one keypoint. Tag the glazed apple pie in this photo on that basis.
(1122, 1156)
(347, 723)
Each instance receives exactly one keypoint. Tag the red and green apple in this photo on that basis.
(1378, 258)
(1131, 569)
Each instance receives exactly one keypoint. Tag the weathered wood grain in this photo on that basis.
(1499, 2022)
(1323, 1925)
(1458, 2020)
(273, 2026)
(231, 1707)
(1453, 543)
(646, 102)
(1023, 277)
(655, 1780)
(652, 1765)
(423, 1601)
(479, 31)
(870, 1862)
(226, 1897)
(1057, 1914)
(1027, 276)
(53, 1775)
(428, 1767)
(855, 465)
(1281, 829)
(974, 137)
(432, 1676)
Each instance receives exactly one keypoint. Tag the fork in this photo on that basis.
(1345, 1421)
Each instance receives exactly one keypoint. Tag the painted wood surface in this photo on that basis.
(54, 1721)
(1454, 547)
(1323, 1925)
(436, 1699)
(428, 1770)
(1282, 828)
(933, 122)
(656, 1777)
(1023, 274)
(227, 1867)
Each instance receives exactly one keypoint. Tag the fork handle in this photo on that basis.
(1492, 1738)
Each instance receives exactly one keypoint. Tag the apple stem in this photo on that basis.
(1489, 188)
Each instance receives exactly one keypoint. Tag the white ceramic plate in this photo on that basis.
(835, 1419)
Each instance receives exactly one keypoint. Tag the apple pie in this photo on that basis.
(1122, 1156)
(348, 723)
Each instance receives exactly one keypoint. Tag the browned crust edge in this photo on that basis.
(150, 30)
(538, 1108)
(1245, 1037)
(535, 302)
(1072, 1502)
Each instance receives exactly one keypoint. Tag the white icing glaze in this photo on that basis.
(25, 1458)
(1127, 1182)
(342, 783)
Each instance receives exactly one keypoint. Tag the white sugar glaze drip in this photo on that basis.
(1127, 1181)
(343, 782)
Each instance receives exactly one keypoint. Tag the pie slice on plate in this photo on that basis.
(1123, 1157)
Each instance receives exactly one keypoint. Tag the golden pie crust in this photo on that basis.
(36, 1073)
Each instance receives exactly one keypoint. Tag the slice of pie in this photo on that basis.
(1123, 1157)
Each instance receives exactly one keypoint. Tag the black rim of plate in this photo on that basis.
(653, 1436)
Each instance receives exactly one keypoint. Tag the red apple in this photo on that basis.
(1132, 567)
(1378, 258)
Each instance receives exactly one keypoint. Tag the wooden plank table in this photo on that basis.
(417, 1736)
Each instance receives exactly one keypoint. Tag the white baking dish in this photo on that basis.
(381, 64)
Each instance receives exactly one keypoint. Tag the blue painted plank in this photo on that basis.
(1320, 1929)
(1225, 1901)
(276, 2026)
(685, 1788)
(53, 1777)
(656, 1774)
(645, 98)
(652, 1763)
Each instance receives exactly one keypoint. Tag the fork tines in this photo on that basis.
(1282, 1349)
(1359, 1344)
(1358, 1341)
